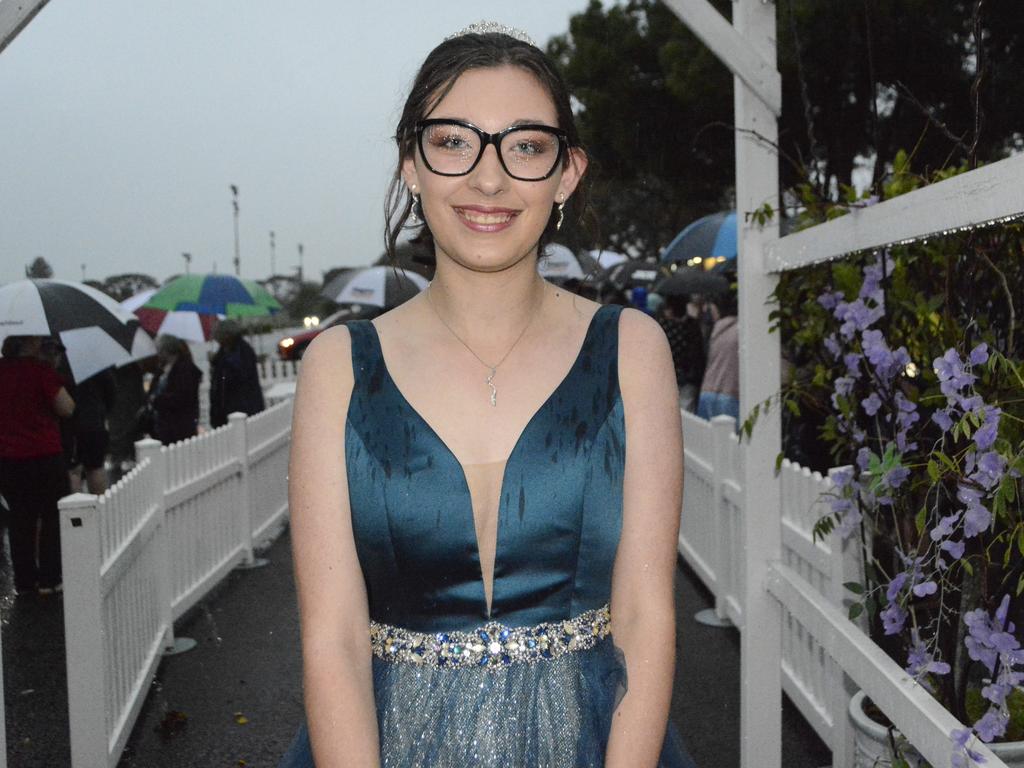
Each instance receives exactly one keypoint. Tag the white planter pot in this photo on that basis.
(871, 743)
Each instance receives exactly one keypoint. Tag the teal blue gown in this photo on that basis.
(535, 682)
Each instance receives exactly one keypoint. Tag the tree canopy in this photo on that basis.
(860, 80)
(39, 269)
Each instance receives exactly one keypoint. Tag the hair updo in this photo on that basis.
(435, 79)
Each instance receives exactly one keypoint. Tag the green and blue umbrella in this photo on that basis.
(207, 297)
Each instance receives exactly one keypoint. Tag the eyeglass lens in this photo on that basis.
(527, 153)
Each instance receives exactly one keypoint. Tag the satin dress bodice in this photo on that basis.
(559, 507)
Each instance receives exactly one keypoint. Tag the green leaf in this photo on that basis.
(854, 586)
(921, 519)
(778, 462)
(856, 609)
(968, 567)
(933, 473)
(1020, 585)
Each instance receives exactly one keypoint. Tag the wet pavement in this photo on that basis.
(235, 700)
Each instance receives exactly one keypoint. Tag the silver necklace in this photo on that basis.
(492, 370)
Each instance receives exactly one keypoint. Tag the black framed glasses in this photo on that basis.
(528, 152)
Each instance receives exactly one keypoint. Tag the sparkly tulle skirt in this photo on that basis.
(551, 714)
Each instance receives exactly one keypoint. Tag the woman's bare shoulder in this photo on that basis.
(326, 369)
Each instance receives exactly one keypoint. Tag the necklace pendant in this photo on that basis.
(494, 390)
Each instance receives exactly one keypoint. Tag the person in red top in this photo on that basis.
(33, 476)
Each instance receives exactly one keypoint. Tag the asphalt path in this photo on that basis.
(235, 700)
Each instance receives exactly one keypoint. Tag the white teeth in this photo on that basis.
(486, 218)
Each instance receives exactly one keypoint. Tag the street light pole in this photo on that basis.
(273, 268)
(83, 273)
(238, 255)
(300, 265)
(188, 261)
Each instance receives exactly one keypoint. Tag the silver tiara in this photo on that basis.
(493, 27)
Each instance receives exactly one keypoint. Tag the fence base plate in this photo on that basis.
(709, 618)
(257, 562)
(181, 645)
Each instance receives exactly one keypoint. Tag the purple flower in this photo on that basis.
(925, 588)
(833, 346)
(921, 662)
(895, 586)
(992, 724)
(842, 477)
(979, 355)
(864, 459)
(896, 476)
(871, 404)
(852, 362)
(952, 377)
(996, 693)
(985, 436)
(976, 520)
(942, 418)
(955, 548)
(856, 316)
(990, 470)
(830, 299)
(893, 619)
(960, 737)
(844, 385)
(945, 527)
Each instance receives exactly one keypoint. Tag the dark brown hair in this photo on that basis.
(440, 70)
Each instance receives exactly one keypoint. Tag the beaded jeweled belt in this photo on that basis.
(494, 645)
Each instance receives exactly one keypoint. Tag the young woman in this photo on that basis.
(485, 482)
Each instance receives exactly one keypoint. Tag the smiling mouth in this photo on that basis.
(486, 218)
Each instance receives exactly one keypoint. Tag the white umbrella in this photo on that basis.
(385, 287)
(559, 263)
(97, 332)
(608, 259)
(134, 302)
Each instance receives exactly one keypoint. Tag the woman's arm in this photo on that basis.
(337, 671)
(643, 600)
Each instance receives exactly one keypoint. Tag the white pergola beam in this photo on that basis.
(14, 16)
(987, 194)
(733, 49)
(915, 712)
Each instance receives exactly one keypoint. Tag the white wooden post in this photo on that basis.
(84, 629)
(154, 451)
(721, 429)
(243, 518)
(845, 567)
(757, 183)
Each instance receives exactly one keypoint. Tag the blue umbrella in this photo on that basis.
(711, 237)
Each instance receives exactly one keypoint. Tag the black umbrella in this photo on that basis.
(385, 287)
(684, 282)
(635, 274)
(96, 331)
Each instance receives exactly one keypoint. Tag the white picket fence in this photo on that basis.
(139, 556)
(711, 542)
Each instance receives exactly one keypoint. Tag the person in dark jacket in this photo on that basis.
(234, 378)
(175, 393)
(95, 399)
(686, 340)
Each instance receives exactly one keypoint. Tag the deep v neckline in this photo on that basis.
(446, 449)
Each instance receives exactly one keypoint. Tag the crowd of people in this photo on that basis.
(58, 436)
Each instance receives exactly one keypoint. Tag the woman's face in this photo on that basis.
(486, 220)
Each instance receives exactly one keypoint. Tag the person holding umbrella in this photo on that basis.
(234, 378)
(33, 475)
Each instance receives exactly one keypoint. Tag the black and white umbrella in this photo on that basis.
(384, 287)
(559, 262)
(97, 331)
(636, 273)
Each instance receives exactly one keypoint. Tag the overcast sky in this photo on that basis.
(124, 122)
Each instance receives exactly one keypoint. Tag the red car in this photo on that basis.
(294, 347)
